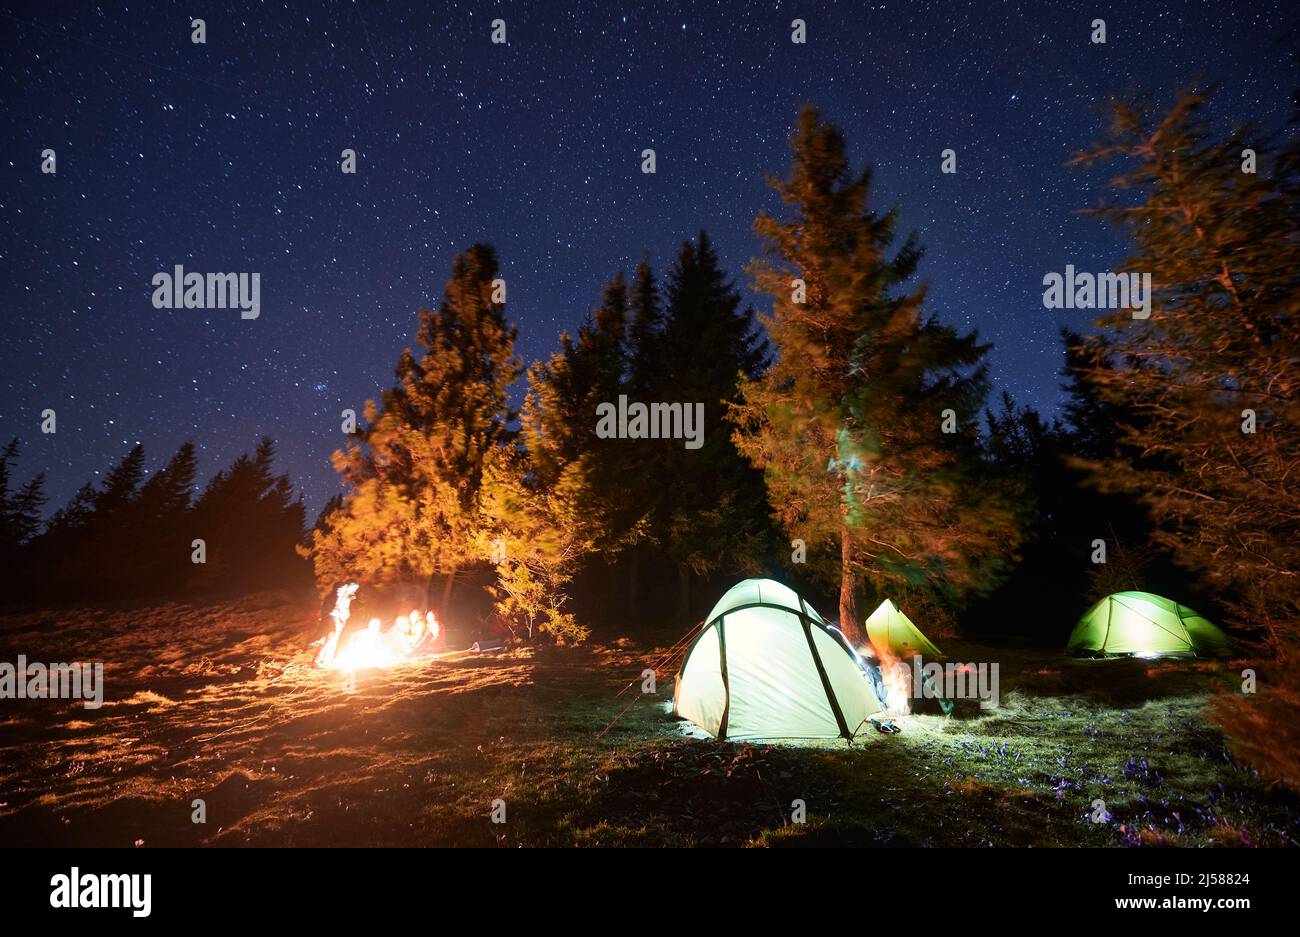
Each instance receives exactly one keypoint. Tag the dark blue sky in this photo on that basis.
(225, 157)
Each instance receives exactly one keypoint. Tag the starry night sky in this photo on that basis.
(225, 157)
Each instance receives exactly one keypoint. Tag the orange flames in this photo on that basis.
(897, 678)
(375, 646)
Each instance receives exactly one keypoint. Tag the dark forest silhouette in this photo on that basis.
(134, 537)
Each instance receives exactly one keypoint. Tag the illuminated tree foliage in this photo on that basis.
(415, 475)
(534, 538)
(848, 424)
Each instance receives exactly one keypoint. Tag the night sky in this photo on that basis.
(225, 157)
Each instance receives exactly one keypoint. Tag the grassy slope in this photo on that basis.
(221, 703)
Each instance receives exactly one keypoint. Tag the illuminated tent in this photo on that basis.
(767, 666)
(1140, 624)
(892, 632)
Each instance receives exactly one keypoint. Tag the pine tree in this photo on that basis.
(848, 425)
(415, 477)
(645, 351)
(1094, 421)
(712, 511)
(251, 525)
(1211, 380)
(600, 487)
(100, 560)
(8, 455)
(167, 494)
(77, 512)
(20, 524)
(559, 424)
(20, 512)
(24, 515)
(158, 528)
(122, 484)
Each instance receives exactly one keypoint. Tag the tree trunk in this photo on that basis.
(848, 601)
(447, 585)
(634, 562)
(683, 592)
(428, 593)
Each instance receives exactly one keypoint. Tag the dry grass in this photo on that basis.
(221, 703)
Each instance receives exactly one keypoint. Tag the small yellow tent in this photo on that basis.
(892, 632)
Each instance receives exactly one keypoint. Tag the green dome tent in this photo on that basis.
(1140, 624)
(892, 632)
(767, 666)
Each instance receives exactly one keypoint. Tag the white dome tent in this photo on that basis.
(767, 666)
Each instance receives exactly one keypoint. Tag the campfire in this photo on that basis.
(373, 646)
(897, 679)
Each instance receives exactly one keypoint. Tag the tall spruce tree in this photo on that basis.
(168, 492)
(121, 484)
(159, 526)
(415, 475)
(251, 525)
(20, 510)
(559, 421)
(711, 509)
(563, 493)
(849, 424)
(1209, 384)
(645, 351)
(20, 522)
(101, 565)
(645, 362)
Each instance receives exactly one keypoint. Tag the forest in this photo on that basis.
(851, 444)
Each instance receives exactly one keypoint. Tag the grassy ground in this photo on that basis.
(221, 704)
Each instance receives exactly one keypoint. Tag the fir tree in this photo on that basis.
(645, 334)
(166, 496)
(20, 511)
(711, 511)
(415, 477)
(848, 425)
(1094, 421)
(158, 527)
(121, 484)
(559, 424)
(1209, 385)
(251, 524)
(1212, 381)
(74, 517)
